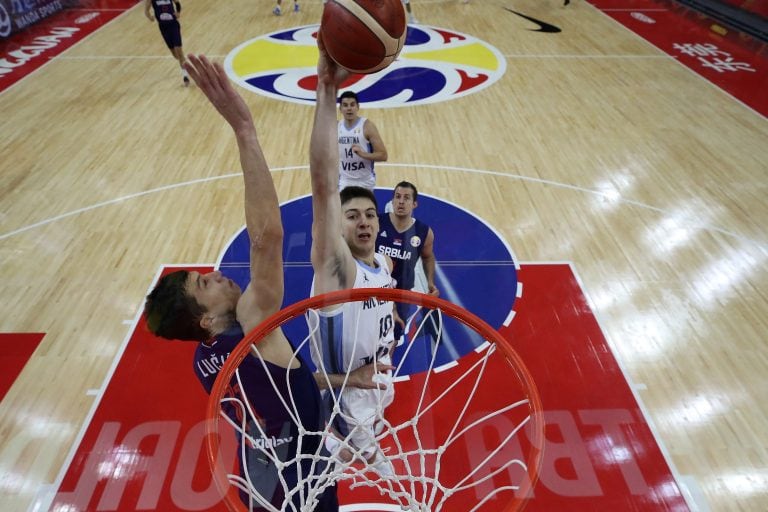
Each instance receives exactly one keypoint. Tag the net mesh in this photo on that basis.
(455, 425)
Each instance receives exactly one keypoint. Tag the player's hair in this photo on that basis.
(352, 192)
(349, 94)
(408, 184)
(172, 313)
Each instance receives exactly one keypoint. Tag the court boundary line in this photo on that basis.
(688, 496)
(88, 36)
(661, 50)
(542, 181)
(44, 498)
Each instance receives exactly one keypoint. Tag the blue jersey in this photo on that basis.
(164, 10)
(404, 248)
(280, 432)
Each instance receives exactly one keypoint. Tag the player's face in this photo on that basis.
(402, 202)
(214, 292)
(349, 108)
(360, 225)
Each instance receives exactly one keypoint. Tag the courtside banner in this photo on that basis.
(46, 37)
(19, 14)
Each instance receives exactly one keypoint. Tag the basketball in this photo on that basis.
(363, 36)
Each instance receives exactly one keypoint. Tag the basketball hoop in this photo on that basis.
(464, 432)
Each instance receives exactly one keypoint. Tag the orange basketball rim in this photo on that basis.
(438, 427)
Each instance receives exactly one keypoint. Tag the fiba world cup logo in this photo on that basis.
(435, 65)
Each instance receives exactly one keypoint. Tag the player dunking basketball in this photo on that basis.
(363, 331)
(212, 310)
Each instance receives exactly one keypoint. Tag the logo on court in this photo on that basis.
(543, 25)
(435, 65)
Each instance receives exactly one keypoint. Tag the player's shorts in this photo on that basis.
(362, 409)
(267, 478)
(171, 32)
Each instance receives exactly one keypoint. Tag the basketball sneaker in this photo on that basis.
(295, 7)
(276, 11)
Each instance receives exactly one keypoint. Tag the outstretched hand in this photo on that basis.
(365, 376)
(211, 78)
(328, 72)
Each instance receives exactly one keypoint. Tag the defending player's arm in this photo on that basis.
(428, 259)
(378, 152)
(332, 260)
(264, 294)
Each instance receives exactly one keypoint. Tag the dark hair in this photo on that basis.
(349, 94)
(350, 193)
(407, 184)
(172, 313)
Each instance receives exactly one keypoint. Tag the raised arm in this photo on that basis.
(332, 260)
(264, 294)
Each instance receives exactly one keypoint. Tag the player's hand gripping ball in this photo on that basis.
(363, 36)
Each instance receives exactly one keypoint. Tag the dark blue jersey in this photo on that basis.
(164, 10)
(404, 248)
(268, 388)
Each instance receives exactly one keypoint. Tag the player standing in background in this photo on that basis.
(277, 11)
(167, 14)
(360, 145)
(407, 240)
(411, 17)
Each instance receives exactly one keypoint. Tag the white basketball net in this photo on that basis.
(451, 440)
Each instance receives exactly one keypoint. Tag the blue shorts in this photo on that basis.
(171, 31)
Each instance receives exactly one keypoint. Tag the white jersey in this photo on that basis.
(350, 336)
(353, 169)
(358, 332)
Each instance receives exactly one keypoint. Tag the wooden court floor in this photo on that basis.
(593, 148)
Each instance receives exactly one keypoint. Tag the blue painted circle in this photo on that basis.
(475, 269)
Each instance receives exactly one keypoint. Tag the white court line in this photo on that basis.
(662, 51)
(25, 77)
(683, 481)
(575, 56)
(303, 168)
(122, 57)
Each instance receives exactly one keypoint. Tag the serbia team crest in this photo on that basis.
(435, 65)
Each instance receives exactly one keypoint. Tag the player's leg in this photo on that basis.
(277, 11)
(178, 52)
(411, 17)
(171, 32)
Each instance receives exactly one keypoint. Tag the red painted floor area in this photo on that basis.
(143, 449)
(24, 52)
(15, 350)
(735, 62)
